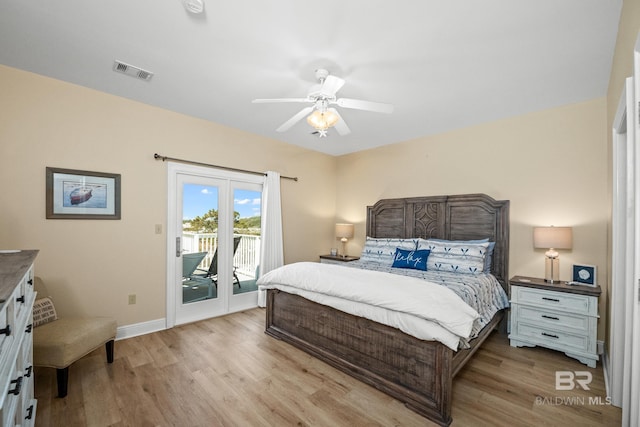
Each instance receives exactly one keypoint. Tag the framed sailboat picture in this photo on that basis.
(77, 194)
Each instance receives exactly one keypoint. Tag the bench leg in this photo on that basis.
(109, 348)
(62, 376)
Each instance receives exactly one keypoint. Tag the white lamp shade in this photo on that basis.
(553, 237)
(344, 231)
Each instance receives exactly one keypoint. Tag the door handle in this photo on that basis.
(178, 250)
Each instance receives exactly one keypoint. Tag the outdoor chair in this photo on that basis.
(190, 263)
(212, 272)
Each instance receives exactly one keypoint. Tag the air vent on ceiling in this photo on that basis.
(132, 71)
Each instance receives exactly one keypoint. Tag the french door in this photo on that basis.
(624, 362)
(213, 242)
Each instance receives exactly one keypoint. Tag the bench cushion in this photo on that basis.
(59, 343)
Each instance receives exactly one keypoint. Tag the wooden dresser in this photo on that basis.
(17, 404)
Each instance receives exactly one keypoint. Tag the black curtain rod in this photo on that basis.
(191, 162)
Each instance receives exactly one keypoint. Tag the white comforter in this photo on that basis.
(423, 309)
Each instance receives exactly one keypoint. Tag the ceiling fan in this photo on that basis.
(320, 114)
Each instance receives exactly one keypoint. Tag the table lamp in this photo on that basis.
(552, 238)
(344, 232)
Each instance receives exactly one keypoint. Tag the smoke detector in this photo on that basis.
(194, 6)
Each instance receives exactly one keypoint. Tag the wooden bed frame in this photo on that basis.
(416, 372)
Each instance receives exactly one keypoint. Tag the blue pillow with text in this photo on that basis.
(405, 258)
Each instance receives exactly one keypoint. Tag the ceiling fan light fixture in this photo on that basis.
(322, 120)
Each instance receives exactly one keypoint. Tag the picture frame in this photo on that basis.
(584, 274)
(79, 194)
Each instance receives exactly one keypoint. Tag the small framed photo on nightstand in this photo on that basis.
(584, 274)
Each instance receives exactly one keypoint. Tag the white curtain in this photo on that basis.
(271, 252)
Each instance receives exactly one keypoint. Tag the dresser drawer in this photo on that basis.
(330, 261)
(572, 303)
(552, 319)
(24, 295)
(11, 399)
(25, 409)
(7, 333)
(559, 340)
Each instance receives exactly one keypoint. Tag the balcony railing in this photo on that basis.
(245, 260)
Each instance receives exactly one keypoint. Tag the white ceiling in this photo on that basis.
(443, 64)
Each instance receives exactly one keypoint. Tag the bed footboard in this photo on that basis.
(416, 372)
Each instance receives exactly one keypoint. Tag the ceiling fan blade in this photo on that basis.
(266, 101)
(358, 104)
(331, 85)
(295, 119)
(341, 126)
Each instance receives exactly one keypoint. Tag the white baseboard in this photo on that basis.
(142, 328)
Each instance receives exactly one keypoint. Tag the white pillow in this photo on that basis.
(455, 256)
(382, 250)
(43, 312)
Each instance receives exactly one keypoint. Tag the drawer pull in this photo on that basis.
(29, 370)
(30, 281)
(20, 299)
(29, 413)
(18, 383)
(550, 317)
(550, 335)
(551, 299)
(6, 330)
(29, 328)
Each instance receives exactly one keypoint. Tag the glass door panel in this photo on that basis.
(246, 237)
(199, 242)
(247, 203)
(199, 218)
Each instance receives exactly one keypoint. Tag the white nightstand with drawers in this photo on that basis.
(557, 316)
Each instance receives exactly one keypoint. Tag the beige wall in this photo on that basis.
(550, 165)
(622, 66)
(92, 266)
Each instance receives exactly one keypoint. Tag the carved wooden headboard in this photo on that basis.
(459, 217)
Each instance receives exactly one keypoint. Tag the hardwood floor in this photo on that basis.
(227, 372)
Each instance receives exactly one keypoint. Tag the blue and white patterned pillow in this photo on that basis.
(455, 256)
(383, 250)
(488, 259)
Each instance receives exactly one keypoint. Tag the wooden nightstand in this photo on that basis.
(337, 259)
(557, 316)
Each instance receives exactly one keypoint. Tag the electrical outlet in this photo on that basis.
(132, 299)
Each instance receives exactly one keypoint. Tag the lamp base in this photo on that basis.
(344, 247)
(551, 270)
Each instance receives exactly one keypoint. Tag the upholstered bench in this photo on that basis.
(58, 342)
